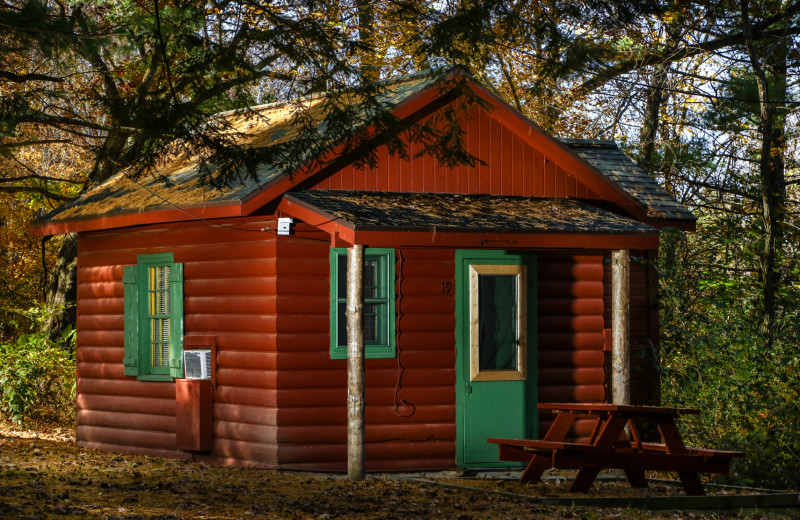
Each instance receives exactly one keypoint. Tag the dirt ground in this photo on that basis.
(48, 477)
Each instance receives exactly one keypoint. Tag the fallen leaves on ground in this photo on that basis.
(49, 477)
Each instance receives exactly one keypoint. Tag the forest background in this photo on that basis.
(703, 95)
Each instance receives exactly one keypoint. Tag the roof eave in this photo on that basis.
(129, 218)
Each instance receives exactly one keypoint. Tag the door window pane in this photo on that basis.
(497, 322)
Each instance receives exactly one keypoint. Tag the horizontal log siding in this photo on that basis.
(510, 167)
(230, 291)
(570, 335)
(410, 400)
(644, 333)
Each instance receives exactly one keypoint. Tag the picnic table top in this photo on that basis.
(620, 408)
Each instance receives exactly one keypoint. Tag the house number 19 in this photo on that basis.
(446, 287)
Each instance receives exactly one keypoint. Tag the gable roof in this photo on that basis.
(122, 201)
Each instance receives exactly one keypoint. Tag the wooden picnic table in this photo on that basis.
(610, 446)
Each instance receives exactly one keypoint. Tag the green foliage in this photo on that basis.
(37, 376)
(714, 356)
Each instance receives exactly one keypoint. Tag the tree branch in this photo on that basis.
(22, 78)
(39, 177)
(19, 144)
(759, 31)
(34, 189)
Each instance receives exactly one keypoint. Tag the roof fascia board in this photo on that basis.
(491, 240)
(683, 225)
(136, 219)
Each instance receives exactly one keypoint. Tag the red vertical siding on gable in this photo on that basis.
(511, 167)
(420, 432)
(229, 292)
(570, 336)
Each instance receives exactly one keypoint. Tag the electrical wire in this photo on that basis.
(398, 403)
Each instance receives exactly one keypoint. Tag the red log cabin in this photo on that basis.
(486, 290)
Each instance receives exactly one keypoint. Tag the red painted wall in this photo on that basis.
(229, 292)
(280, 400)
(511, 167)
(570, 336)
(410, 412)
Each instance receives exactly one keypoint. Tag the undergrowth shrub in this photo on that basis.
(37, 376)
(715, 358)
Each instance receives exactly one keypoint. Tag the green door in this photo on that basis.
(496, 351)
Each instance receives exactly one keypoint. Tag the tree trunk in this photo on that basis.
(62, 288)
(768, 61)
(655, 99)
(620, 339)
(366, 36)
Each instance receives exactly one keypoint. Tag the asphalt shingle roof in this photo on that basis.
(273, 123)
(619, 168)
(446, 212)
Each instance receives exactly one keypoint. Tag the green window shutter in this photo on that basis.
(131, 357)
(176, 321)
(379, 303)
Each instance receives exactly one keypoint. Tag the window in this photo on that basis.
(378, 314)
(154, 318)
(497, 322)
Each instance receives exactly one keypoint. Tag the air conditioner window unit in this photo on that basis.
(197, 364)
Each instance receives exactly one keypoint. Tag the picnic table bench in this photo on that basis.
(611, 447)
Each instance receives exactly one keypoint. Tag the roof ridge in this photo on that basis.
(596, 143)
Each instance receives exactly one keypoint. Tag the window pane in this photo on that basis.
(370, 278)
(497, 322)
(160, 332)
(370, 320)
(158, 314)
(341, 323)
(341, 276)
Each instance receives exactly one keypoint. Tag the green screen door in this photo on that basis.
(496, 377)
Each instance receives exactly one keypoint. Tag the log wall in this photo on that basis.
(230, 293)
(410, 400)
(280, 400)
(570, 339)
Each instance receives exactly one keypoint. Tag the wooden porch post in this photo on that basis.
(620, 327)
(355, 363)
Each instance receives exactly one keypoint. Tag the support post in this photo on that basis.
(355, 363)
(620, 327)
